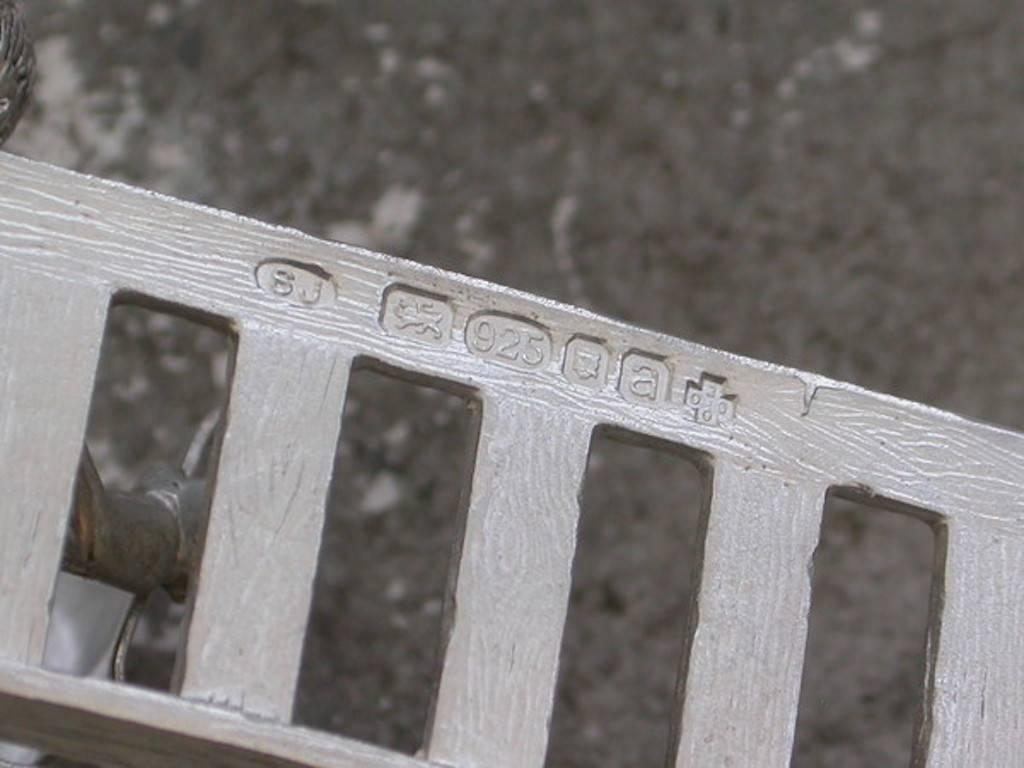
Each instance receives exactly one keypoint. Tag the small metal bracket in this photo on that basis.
(137, 541)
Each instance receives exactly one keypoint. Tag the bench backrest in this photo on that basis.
(304, 311)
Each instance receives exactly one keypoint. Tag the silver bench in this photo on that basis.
(547, 375)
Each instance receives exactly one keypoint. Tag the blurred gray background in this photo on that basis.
(831, 184)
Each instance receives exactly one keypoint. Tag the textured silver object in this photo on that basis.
(85, 615)
(775, 440)
(17, 67)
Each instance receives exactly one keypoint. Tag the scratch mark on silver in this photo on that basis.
(812, 383)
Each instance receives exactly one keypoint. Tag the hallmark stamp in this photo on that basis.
(586, 362)
(303, 285)
(509, 340)
(417, 316)
(645, 379)
(708, 401)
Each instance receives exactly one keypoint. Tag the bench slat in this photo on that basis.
(95, 722)
(50, 336)
(976, 685)
(746, 656)
(248, 620)
(497, 686)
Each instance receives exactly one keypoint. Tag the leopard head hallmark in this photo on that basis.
(17, 66)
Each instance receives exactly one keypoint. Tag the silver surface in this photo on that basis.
(775, 439)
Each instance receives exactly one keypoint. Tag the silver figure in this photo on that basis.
(17, 66)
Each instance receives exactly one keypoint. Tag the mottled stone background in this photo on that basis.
(831, 184)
